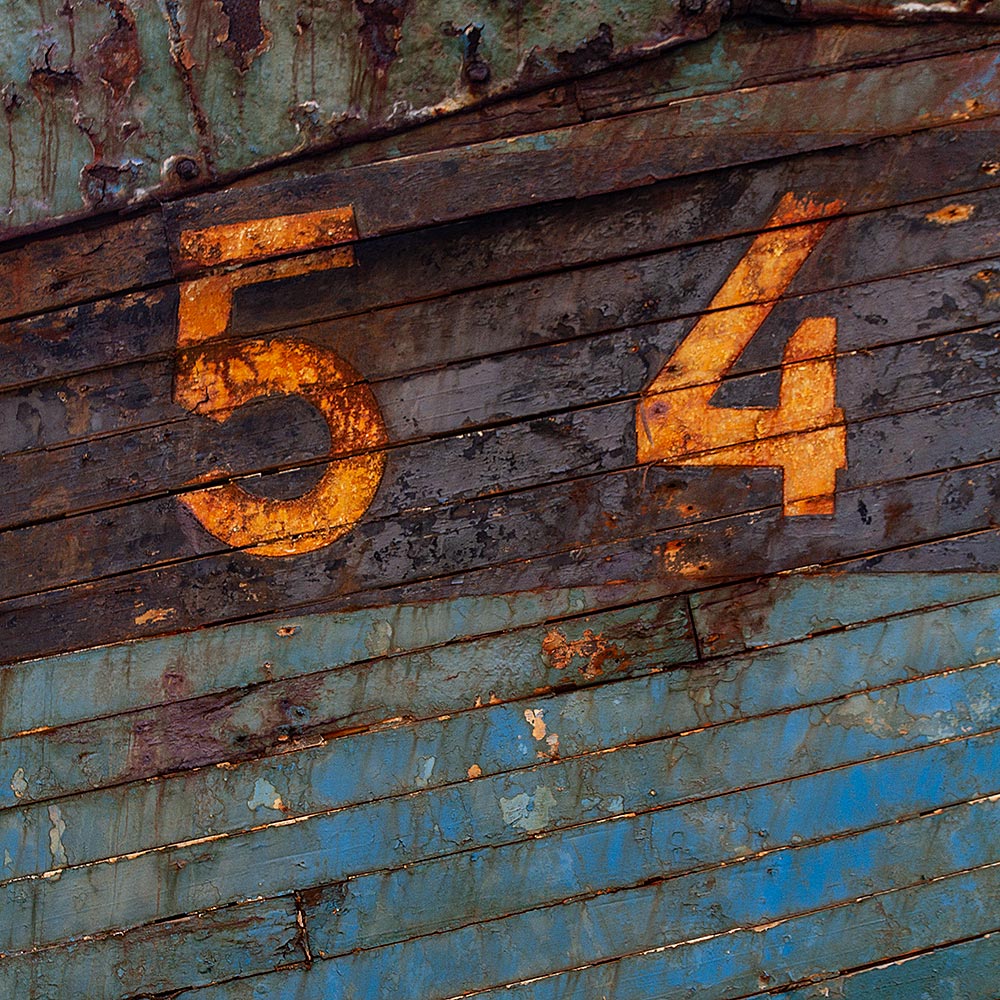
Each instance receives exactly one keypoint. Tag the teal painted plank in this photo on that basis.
(73, 687)
(964, 971)
(496, 810)
(316, 779)
(379, 909)
(374, 910)
(262, 719)
(201, 948)
(869, 931)
(761, 891)
(732, 620)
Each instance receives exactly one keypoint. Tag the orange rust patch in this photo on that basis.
(259, 239)
(154, 615)
(593, 649)
(804, 435)
(951, 214)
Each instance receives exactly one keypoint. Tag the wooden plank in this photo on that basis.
(301, 773)
(33, 695)
(102, 267)
(532, 324)
(676, 911)
(83, 265)
(928, 164)
(312, 707)
(168, 456)
(736, 964)
(635, 545)
(329, 847)
(629, 151)
(739, 55)
(657, 845)
(743, 53)
(966, 969)
(241, 940)
(762, 613)
(874, 792)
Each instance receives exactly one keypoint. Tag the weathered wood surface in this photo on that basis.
(110, 105)
(549, 720)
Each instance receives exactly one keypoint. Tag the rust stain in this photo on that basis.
(951, 214)
(804, 435)
(246, 35)
(154, 615)
(185, 63)
(592, 649)
(380, 33)
(50, 84)
(116, 61)
(260, 239)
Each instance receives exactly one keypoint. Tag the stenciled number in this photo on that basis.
(214, 379)
(804, 434)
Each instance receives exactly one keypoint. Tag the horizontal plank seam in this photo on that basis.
(554, 831)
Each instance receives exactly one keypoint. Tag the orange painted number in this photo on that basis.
(214, 379)
(804, 434)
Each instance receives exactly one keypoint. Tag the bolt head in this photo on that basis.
(187, 169)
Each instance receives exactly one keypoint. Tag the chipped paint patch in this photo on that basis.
(265, 796)
(475, 771)
(951, 214)
(8, 861)
(19, 784)
(378, 641)
(530, 813)
(154, 615)
(424, 771)
(56, 847)
(535, 719)
(592, 648)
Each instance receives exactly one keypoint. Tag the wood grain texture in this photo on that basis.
(548, 720)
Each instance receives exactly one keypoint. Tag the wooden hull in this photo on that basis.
(561, 565)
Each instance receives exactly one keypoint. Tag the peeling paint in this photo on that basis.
(56, 847)
(246, 35)
(19, 783)
(951, 214)
(265, 796)
(530, 813)
(535, 719)
(592, 649)
(424, 771)
(154, 615)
